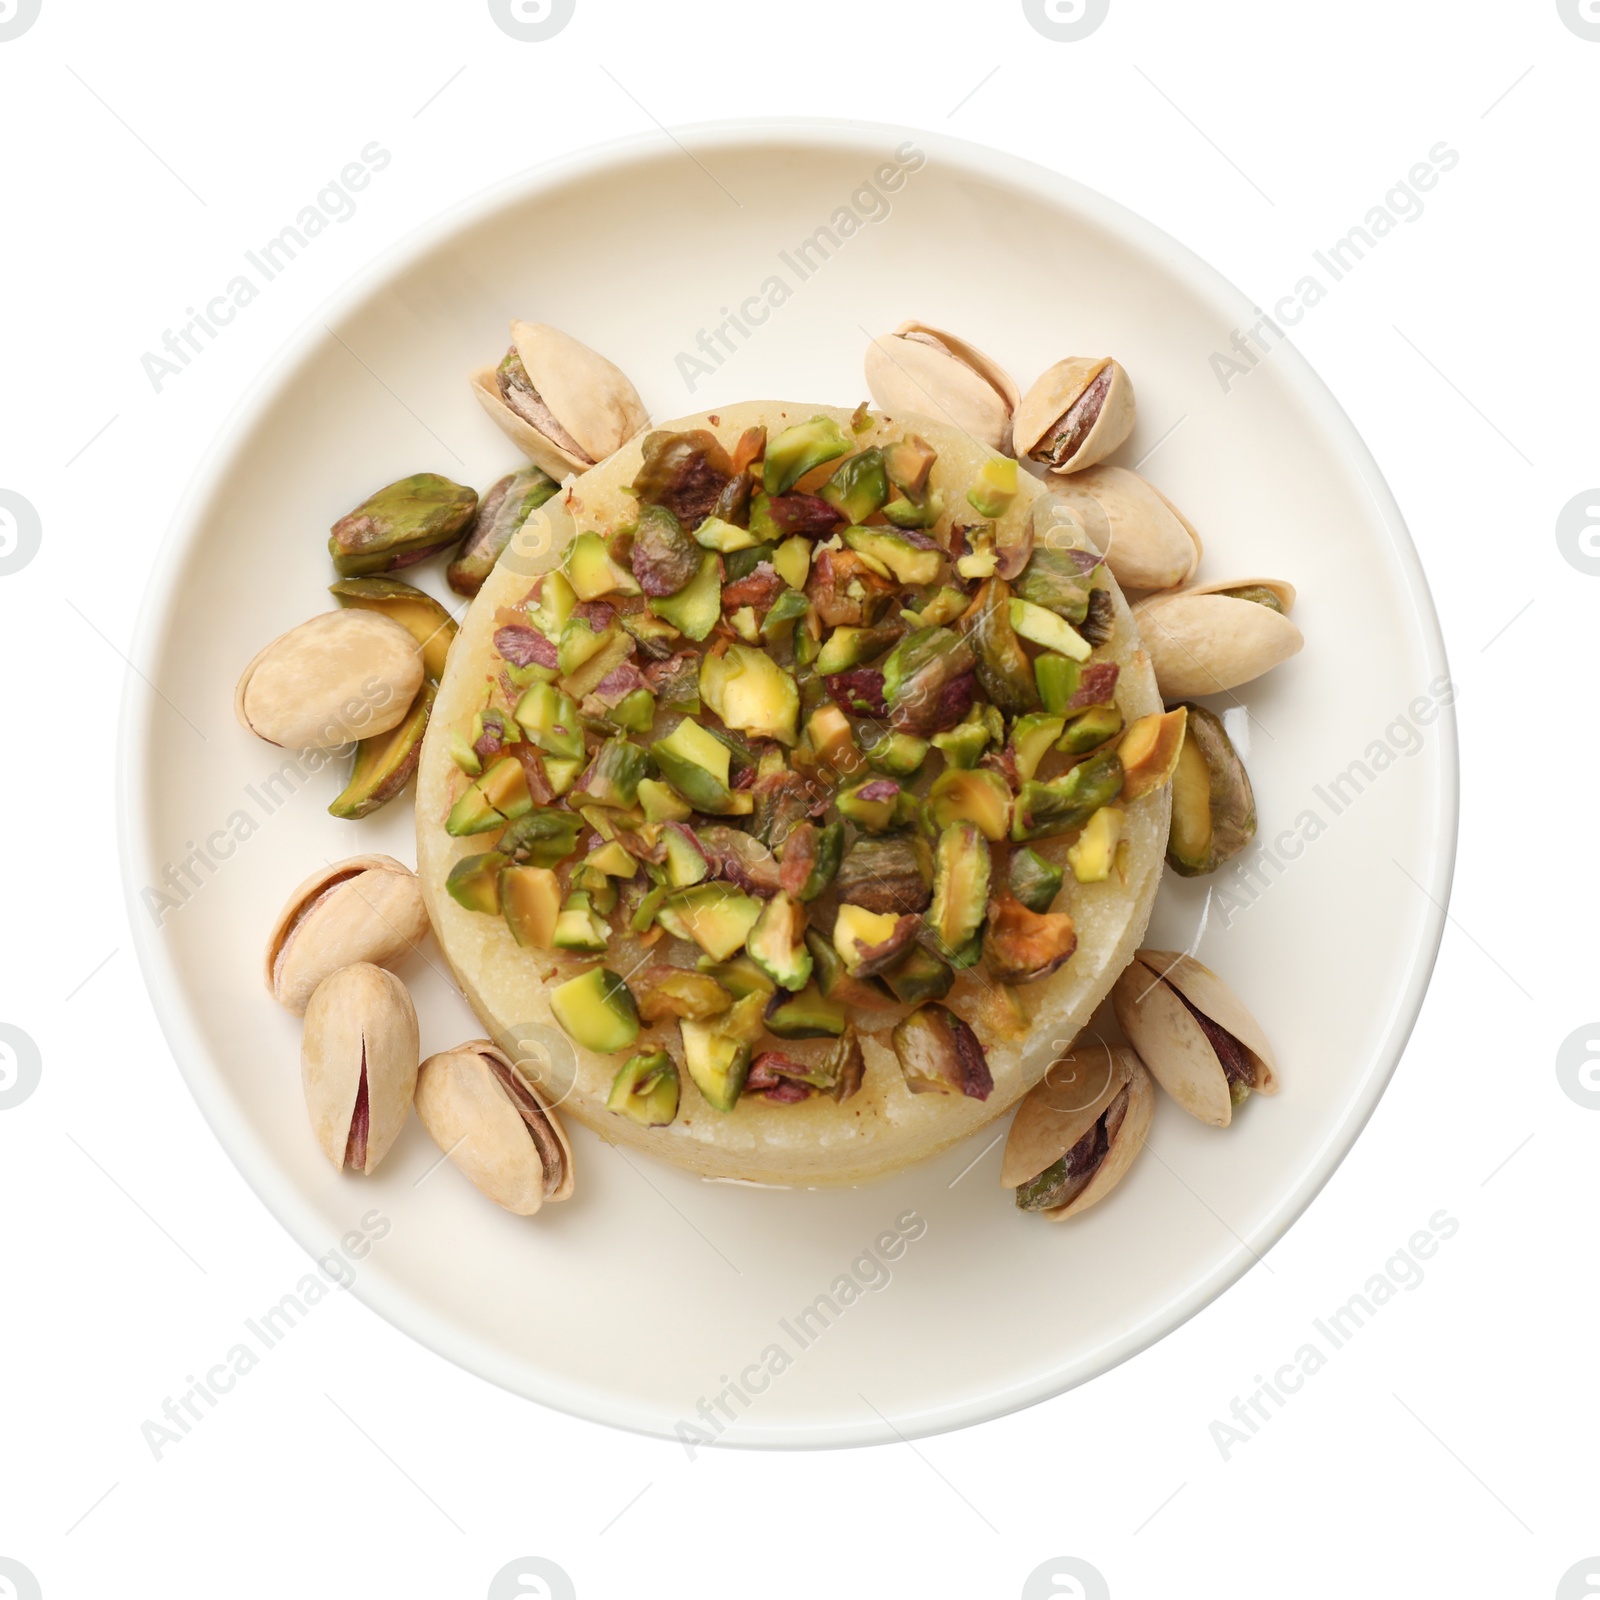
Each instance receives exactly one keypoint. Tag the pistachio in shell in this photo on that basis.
(358, 1064)
(1193, 1033)
(366, 909)
(1214, 637)
(495, 1126)
(401, 524)
(562, 404)
(1146, 541)
(505, 506)
(922, 369)
(1077, 1131)
(429, 623)
(1213, 806)
(342, 676)
(1075, 415)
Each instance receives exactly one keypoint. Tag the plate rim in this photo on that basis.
(253, 1158)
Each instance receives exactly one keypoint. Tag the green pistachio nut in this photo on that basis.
(960, 887)
(505, 506)
(798, 450)
(912, 511)
(474, 882)
(910, 558)
(596, 1009)
(384, 765)
(1213, 806)
(1056, 579)
(908, 462)
(1044, 810)
(695, 608)
(1090, 729)
(1031, 738)
(612, 778)
(807, 1015)
(580, 927)
(858, 487)
(645, 1090)
(939, 1054)
(996, 488)
(550, 720)
(751, 693)
(498, 797)
(1034, 881)
(963, 744)
(542, 837)
(887, 875)
(403, 523)
(1005, 673)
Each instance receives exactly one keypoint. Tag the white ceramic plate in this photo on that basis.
(639, 1301)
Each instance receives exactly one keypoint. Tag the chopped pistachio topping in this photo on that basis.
(790, 729)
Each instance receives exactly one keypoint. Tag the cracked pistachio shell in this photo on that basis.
(359, 1054)
(1054, 395)
(1125, 1144)
(1285, 592)
(1147, 542)
(496, 1126)
(589, 409)
(342, 676)
(1063, 1106)
(1173, 1045)
(922, 369)
(1202, 641)
(365, 909)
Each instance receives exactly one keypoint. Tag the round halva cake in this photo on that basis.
(804, 1137)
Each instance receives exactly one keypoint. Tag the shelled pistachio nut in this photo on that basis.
(505, 506)
(1147, 542)
(342, 676)
(386, 763)
(562, 404)
(1077, 1131)
(366, 909)
(1194, 1035)
(1076, 414)
(401, 524)
(1213, 805)
(358, 1064)
(495, 1126)
(923, 369)
(1217, 636)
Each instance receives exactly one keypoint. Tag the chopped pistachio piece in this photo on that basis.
(996, 487)
(797, 450)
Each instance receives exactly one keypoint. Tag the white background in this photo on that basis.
(1442, 1449)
